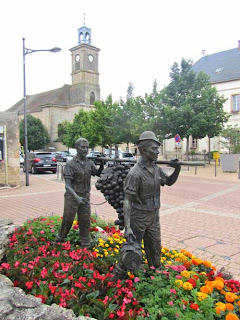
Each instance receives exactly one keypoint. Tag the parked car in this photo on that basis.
(95, 154)
(41, 161)
(62, 155)
(125, 156)
(21, 160)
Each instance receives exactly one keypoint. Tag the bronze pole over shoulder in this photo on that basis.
(181, 163)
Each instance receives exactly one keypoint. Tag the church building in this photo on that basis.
(57, 105)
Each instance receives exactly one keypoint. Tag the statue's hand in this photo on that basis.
(82, 200)
(129, 235)
(174, 163)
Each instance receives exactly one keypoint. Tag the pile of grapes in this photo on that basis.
(110, 184)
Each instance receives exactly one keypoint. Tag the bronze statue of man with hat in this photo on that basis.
(141, 205)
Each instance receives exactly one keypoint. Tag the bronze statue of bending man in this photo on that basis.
(77, 175)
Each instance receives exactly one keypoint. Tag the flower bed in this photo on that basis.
(185, 288)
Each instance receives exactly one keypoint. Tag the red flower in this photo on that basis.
(44, 272)
(194, 306)
(121, 313)
(193, 282)
(44, 299)
(29, 285)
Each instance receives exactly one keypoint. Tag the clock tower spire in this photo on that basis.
(85, 74)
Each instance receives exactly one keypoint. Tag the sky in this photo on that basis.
(139, 41)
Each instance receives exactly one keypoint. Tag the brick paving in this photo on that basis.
(200, 213)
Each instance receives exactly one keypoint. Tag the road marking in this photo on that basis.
(221, 214)
(177, 208)
(29, 194)
(218, 194)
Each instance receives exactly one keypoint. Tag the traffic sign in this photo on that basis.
(177, 138)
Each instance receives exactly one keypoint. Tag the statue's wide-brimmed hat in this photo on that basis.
(148, 135)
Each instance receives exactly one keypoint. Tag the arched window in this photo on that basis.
(81, 37)
(87, 38)
(92, 97)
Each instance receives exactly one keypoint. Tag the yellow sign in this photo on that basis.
(216, 156)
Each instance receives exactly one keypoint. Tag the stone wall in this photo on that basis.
(10, 167)
(14, 303)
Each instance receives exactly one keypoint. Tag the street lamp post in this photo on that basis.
(25, 52)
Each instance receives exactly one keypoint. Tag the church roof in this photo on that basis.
(221, 66)
(56, 97)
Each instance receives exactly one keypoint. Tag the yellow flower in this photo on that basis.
(106, 245)
(169, 262)
(179, 283)
(116, 250)
(106, 253)
(220, 306)
(186, 274)
(75, 222)
(187, 286)
(201, 296)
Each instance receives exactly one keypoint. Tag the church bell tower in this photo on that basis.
(85, 87)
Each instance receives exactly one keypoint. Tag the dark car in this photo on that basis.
(95, 154)
(41, 161)
(62, 155)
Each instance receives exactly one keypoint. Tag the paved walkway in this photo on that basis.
(200, 213)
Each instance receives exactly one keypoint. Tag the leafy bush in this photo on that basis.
(184, 288)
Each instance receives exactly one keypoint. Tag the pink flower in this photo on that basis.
(152, 277)
(136, 279)
(170, 303)
(16, 264)
(5, 266)
(173, 291)
(178, 277)
(44, 272)
(42, 232)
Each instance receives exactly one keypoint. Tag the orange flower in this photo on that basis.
(229, 306)
(219, 278)
(231, 316)
(207, 264)
(230, 297)
(196, 262)
(206, 289)
(218, 284)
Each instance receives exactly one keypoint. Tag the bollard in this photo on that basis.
(215, 168)
(195, 169)
(239, 170)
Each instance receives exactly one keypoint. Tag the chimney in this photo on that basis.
(238, 46)
(203, 53)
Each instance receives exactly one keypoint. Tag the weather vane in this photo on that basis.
(84, 18)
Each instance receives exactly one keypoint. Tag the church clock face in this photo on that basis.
(77, 58)
(90, 58)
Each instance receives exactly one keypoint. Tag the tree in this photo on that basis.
(38, 136)
(102, 122)
(232, 138)
(192, 107)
